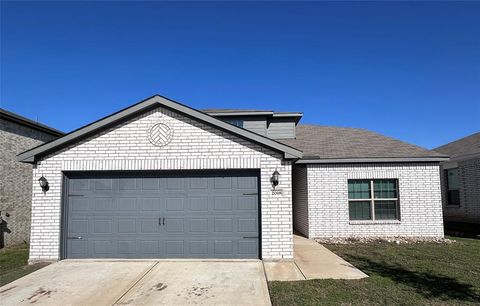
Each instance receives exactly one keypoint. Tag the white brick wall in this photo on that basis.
(419, 191)
(194, 146)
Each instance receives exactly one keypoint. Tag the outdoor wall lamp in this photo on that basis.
(275, 178)
(43, 183)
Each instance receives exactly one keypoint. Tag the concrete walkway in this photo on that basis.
(311, 261)
(137, 282)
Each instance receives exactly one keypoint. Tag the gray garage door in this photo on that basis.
(170, 215)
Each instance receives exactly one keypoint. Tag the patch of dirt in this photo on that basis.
(41, 292)
(160, 286)
(199, 291)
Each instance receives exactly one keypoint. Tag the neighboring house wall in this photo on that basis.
(194, 146)
(419, 196)
(469, 186)
(16, 182)
(300, 199)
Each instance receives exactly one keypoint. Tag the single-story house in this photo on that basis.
(17, 134)
(461, 180)
(162, 180)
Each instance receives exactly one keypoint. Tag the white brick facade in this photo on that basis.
(328, 216)
(194, 146)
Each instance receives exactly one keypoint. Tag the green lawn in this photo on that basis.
(13, 264)
(405, 274)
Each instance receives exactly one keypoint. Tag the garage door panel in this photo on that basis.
(223, 203)
(175, 225)
(174, 203)
(247, 246)
(103, 184)
(103, 247)
(198, 247)
(149, 225)
(79, 204)
(127, 247)
(223, 247)
(150, 204)
(80, 185)
(127, 226)
(175, 248)
(78, 248)
(149, 247)
(198, 204)
(247, 225)
(150, 184)
(223, 225)
(247, 202)
(199, 182)
(79, 226)
(164, 216)
(127, 204)
(102, 226)
(223, 183)
(102, 204)
(175, 183)
(247, 182)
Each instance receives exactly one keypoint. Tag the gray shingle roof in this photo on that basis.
(469, 145)
(327, 142)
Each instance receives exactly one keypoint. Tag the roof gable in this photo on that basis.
(34, 154)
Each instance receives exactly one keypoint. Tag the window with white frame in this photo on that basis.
(373, 199)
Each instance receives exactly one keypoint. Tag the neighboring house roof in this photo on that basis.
(7, 115)
(327, 144)
(143, 106)
(461, 148)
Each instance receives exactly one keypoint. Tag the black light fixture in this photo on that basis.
(43, 183)
(275, 178)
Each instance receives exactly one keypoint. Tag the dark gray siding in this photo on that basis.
(281, 128)
(258, 126)
(16, 182)
(300, 199)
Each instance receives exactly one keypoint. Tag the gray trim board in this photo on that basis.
(33, 155)
(370, 160)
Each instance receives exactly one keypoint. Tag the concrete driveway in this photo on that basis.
(141, 283)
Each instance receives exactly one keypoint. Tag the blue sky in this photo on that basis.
(406, 70)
